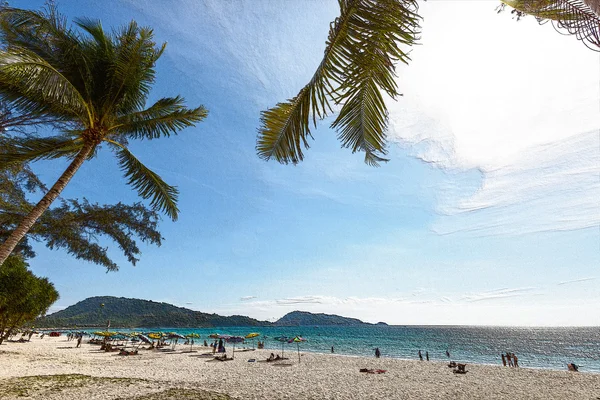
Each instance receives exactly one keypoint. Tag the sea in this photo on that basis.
(535, 347)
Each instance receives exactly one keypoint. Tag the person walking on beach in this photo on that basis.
(515, 360)
(509, 359)
(427, 355)
(503, 359)
(420, 356)
(79, 337)
(377, 352)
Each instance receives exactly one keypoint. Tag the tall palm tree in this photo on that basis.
(364, 43)
(95, 84)
(577, 17)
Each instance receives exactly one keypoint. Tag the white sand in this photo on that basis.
(317, 376)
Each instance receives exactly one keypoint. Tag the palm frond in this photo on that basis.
(364, 43)
(48, 35)
(147, 183)
(33, 86)
(576, 17)
(165, 117)
(131, 72)
(362, 122)
(25, 149)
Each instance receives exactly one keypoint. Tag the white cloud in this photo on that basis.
(247, 298)
(518, 102)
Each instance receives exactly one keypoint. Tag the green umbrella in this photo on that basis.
(297, 340)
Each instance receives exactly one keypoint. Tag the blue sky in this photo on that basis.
(487, 213)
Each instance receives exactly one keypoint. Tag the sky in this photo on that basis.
(488, 212)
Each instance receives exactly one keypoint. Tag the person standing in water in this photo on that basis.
(427, 355)
(377, 352)
(420, 356)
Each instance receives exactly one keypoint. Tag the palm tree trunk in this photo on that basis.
(20, 231)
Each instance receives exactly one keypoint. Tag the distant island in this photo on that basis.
(133, 313)
(303, 318)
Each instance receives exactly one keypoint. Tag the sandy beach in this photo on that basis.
(53, 368)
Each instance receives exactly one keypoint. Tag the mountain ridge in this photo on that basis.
(125, 312)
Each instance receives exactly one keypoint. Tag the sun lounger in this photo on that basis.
(460, 369)
(372, 371)
(124, 352)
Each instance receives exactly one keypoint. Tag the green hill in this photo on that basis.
(132, 313)
(303, 318)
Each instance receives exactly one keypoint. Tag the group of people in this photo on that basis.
(218, 347)
(426, 355)
(510, 359)
(75, 336)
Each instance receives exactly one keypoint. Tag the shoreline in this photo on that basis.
(315, 376)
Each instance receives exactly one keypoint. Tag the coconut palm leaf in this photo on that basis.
(165, 117)
(47, 35)
(577, 17)
(362, 123)
(363, 44)
(131, 74)
(34, 86)
(147, 183)
(26, 149)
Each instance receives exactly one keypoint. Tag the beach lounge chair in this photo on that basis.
(460, 369)
(372, 371)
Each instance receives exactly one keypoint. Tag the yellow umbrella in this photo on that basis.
(252, 336)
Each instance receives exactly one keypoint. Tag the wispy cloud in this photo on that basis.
(576, 281)
(247, 298)
(497, 294)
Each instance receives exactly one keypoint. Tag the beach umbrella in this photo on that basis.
(155, 335)
(283, 340)
(252, 336)
(144, 338)
(234, 340)
(191, 337)
(297, 340)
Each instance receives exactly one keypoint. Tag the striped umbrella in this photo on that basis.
(297, 340)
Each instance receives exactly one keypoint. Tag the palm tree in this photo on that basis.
(577, 17)
(95, 84)
(362, 47)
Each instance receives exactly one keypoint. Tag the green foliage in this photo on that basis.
(23, 296)
(74, 225)
(576, 17)
(364, 43)
(94, 86)
(303, 318)
(131, 313)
